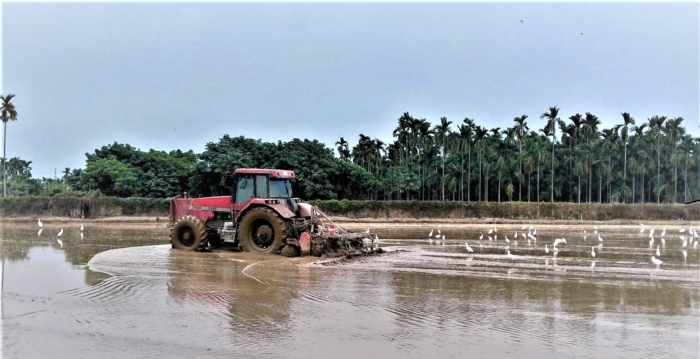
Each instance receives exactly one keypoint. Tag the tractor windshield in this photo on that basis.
(280, 188)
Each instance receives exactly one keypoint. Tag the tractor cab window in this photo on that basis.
(280, 188)
(244, 188)
(261, 186)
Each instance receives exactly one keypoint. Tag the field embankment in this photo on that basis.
(386, 211)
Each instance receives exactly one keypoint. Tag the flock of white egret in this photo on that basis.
(60, 233)
(687, 240)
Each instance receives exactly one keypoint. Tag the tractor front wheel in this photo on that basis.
(189, 234)
(262, 231)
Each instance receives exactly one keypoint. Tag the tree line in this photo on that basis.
(566, 160)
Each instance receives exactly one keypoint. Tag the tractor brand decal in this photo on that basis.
(213, 209)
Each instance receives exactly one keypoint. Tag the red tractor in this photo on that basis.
(260, 216)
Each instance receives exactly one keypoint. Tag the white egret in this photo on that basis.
(469, 249)
(658, 252)
(516, 234)
(546, 250)
(682, 230)
(60, 233)
(656, 261)
(507, 240)
(431, 233)
(41, 225)
(81, 227)
(490, 231)
(685, 256)
(510, 255)
(40, 230)
(495, 229)
(600, 239)
(81, 235)
(663, 232)
(593, 252)
(559, 240)
(481, 236)
(523, 227)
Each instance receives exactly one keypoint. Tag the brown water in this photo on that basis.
(140, 299)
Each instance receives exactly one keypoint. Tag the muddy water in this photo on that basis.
(124, 293)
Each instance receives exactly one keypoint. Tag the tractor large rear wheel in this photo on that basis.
(262, 230)
(189, 234)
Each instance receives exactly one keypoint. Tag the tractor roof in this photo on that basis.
(261, 171)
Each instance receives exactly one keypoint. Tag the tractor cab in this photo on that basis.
(253, 185)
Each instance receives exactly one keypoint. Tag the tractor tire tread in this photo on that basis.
(199, 229)
(281, 223)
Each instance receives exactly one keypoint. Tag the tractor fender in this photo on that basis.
(280, 209)
(305, 209)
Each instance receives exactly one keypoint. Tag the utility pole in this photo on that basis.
(54, 174)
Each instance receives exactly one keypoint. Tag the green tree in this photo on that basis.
(111, 177)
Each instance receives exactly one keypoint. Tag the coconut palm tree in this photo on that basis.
(627, 122)
(481, 140)
(343, 151)
(442, 130)
(655, 132)
(7, 113)
(465, 136)
(552, 117)
(520, 131)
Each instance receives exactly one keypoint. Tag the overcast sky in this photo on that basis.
(168, 76)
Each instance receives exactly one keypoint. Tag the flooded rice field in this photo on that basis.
(123, 293)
